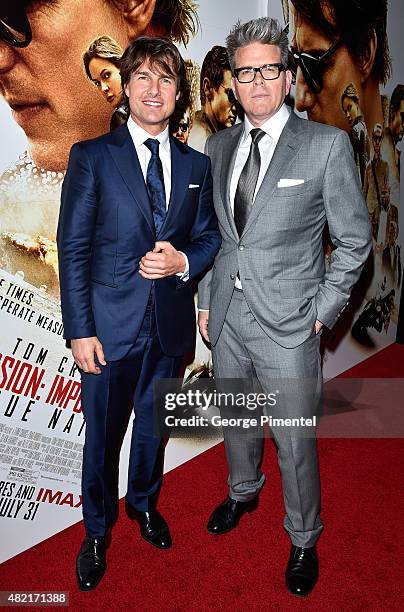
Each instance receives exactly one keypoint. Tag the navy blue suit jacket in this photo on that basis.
(105, 228)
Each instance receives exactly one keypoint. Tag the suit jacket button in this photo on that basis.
(241, 247)
(232, 276)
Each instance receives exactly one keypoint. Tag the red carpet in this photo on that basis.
(360, 550)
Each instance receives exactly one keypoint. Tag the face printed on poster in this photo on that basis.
(342, 63)
(59, 77)
(61, 80)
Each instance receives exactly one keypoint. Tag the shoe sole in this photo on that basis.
(85, 589)
(300, 596)
(154, 544)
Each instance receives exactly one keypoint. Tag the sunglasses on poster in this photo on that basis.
(230, 94)
(15, 29)
(313, 67)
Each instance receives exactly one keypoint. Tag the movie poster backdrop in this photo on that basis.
(64, 87)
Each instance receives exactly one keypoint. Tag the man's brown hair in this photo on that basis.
(176, 19)
(161, 54)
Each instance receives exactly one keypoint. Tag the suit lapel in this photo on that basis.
(229, 153)
(123, 153)
(288, 145)
(181, 166)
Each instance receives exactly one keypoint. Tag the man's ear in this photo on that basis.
(234, 87)
(288, 81)
(137, 15)
(367, 58)
(207, 88)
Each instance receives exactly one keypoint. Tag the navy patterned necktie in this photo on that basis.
(243, 200)
(155, 184)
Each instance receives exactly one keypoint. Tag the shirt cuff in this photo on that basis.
(184, 276)
(203, 310)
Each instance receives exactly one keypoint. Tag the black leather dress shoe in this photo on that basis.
(302, 570)
(227, 516)
(91, 563)
(153, 527)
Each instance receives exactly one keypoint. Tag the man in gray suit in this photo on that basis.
(277, 180)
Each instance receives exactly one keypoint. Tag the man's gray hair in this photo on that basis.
(264, 30)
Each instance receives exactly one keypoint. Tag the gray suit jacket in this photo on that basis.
(280, 256)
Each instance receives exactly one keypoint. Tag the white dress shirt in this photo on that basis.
(273, 129)
(139, 136)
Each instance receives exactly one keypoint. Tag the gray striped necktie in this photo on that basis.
(243, 199)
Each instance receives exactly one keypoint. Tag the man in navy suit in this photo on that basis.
(136, 226)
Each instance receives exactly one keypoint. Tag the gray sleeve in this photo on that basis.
(349, 228)
(204, 283)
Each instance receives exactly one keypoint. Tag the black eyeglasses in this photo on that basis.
(15, 29)
(269, 72)
(313, 67)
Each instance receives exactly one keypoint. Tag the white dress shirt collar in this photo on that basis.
(273, 126)
(139, 135)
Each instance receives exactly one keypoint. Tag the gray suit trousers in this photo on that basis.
(245, 351)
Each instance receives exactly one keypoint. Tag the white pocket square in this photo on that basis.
(192, 186)
(290, 182)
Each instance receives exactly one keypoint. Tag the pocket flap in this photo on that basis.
(290, 288)
(103, 268)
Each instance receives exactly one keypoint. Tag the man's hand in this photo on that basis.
(83, 350)
(317, 326)
(164, 260)
(203, 320)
